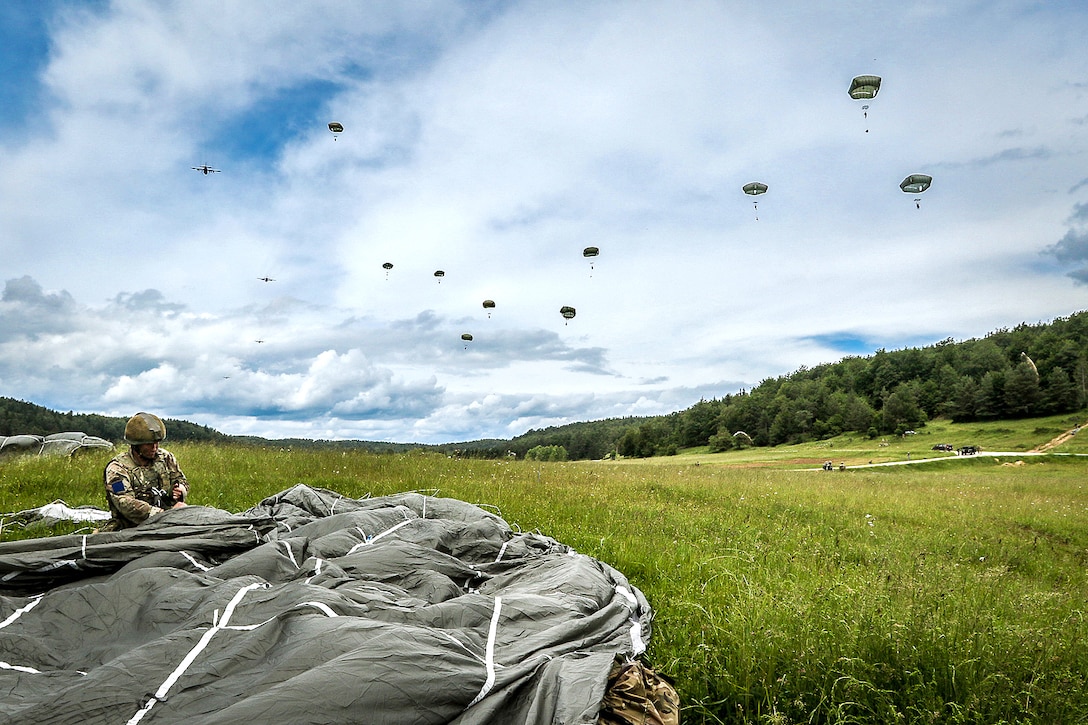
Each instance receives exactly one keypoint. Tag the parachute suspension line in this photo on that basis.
(502, 551)
(199, 647)
(489, 654)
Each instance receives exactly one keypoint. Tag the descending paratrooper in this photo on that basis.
(755, 188)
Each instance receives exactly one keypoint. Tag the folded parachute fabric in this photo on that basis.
(55, 444)
(51, 513)
(313, 608)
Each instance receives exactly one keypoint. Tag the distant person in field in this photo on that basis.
(145, 480)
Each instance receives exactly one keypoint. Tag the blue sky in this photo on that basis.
(495, 141)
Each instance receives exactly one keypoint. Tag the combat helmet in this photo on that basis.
(144, 428)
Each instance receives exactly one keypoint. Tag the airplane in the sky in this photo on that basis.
(266, 279)
(205, 169)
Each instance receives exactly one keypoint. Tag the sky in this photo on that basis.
(495, 141)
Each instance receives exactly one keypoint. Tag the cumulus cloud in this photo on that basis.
(27, 310)
(495, 141)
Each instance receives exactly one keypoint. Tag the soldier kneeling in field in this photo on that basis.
(145, 480)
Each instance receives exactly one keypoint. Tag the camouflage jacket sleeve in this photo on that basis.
(175, 478)
(126, 495)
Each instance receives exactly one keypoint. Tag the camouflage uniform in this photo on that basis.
(136, 492)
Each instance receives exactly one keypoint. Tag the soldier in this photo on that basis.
(146, 480)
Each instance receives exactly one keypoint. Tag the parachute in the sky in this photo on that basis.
(567, 311)
(589, 253)
(439, 274)
(864, 88)
(755, 188)
(916, 184)
(1031, 363)
(489, 305)
(336, 129)
(387, 266)
(467, 337)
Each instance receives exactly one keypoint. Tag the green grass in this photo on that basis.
(948, 592)
(856, 449)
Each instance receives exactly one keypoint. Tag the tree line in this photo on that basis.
(1026, 371)
(18, 417)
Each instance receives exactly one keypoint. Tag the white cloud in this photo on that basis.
(495, 141)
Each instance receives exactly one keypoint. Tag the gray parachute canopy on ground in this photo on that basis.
(55, 444)
(313, 608)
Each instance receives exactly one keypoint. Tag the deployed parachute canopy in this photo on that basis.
(916, 184)
(755, 188)
(336, 129)
(467, 337)
(387, 266)
(1031, 363)
(315, 607)
(567, 312)
(439, 274)
(864, 88)
(589, 253)
(489, 305)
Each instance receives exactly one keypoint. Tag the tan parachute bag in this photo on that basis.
(636, 695)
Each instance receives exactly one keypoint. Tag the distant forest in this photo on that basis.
(18, 417)
(1028, 371)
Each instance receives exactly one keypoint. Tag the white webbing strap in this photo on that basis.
(21, 611)
(194, 562)
(371, 539)
(322, 606)
(637, 643)
(489, 654)
(189, 658)
(290, 553)
(317, 570)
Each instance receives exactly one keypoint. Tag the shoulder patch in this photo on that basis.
(117, 486)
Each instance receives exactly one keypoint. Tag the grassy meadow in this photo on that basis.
(951, 591)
